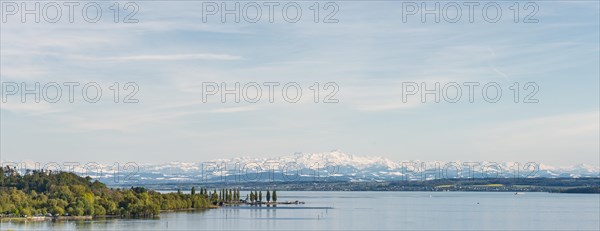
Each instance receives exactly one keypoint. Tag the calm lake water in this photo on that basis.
(373, 211)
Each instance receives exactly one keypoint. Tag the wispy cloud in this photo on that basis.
(162, 57)
(556, 126)
(34, 109)
(387, 106)
(234, 109)
(553, 138)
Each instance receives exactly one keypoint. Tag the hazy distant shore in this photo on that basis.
(553, 185)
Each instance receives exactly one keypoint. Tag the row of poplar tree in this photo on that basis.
(257, 196)
(233, 195)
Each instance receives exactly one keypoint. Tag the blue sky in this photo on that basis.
(369, 53)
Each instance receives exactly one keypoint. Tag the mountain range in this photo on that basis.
(326, 166)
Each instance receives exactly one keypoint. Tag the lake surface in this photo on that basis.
(373, 211)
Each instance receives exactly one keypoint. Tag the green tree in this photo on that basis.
(193, 191)
(59, 193)
(214, 196)
(268, 196)
(274, 196)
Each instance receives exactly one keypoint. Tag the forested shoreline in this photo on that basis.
(551, 185)
(44, 193)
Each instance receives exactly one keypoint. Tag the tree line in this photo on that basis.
(257, 196)
(233, 195)
(47, 193)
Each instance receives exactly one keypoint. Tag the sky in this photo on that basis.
(369, 57)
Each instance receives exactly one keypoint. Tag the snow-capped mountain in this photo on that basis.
(327, 166)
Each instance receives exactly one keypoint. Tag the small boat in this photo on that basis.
(519, 193)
